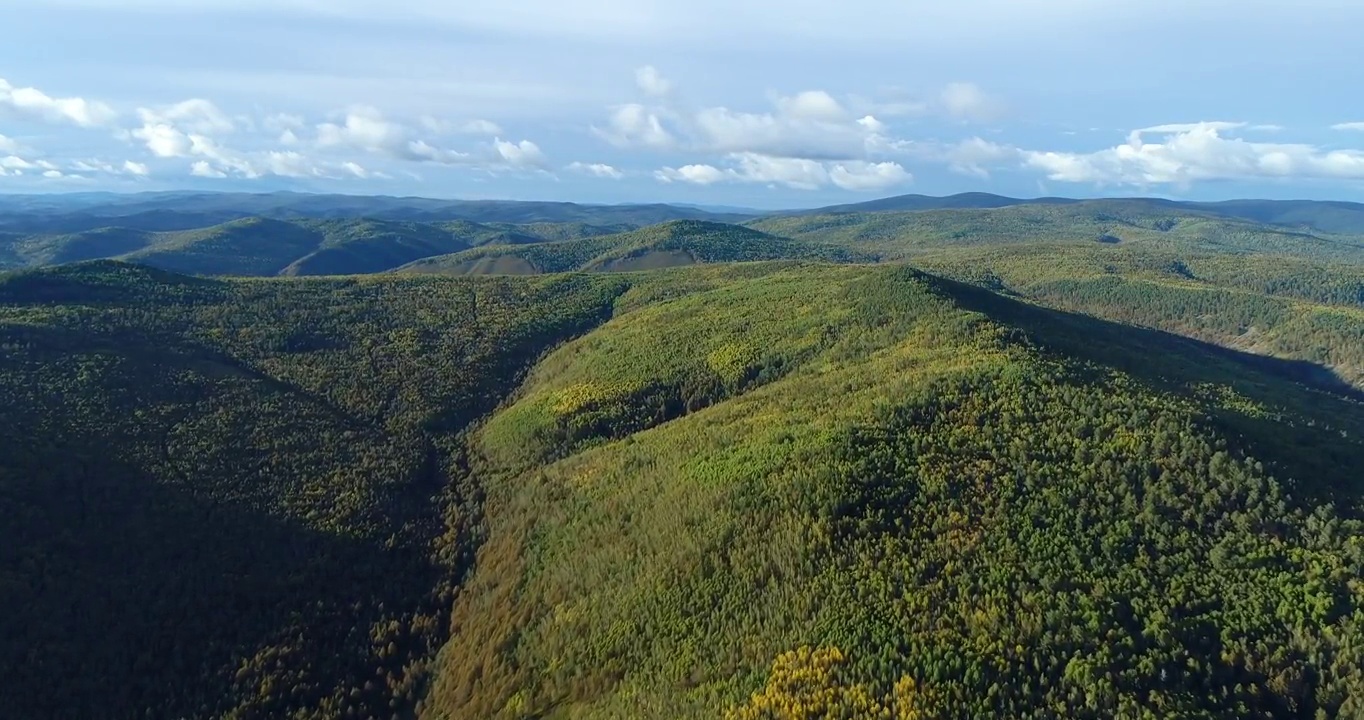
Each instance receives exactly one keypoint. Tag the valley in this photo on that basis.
(929, 458)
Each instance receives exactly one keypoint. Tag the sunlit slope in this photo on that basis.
(962, 506)
(671, 244)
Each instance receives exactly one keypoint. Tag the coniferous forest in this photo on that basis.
(1083, 460)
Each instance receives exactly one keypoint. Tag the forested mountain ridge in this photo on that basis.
(259, 246)
(671, 244)
(172, 211)
(244, 499)
(743, 490)
(1321, 215)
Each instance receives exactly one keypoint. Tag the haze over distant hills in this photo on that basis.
(182, 210)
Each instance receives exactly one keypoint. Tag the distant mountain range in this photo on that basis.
(178, 210)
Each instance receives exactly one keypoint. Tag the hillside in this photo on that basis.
(172, 211)
(672, 244)
(898, 235)
(259, 246)
(722, 490)
(1323, 216)
(244, 499)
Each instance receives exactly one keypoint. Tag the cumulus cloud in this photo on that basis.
(1190, 152)
(812, 105)
(652, 82)
(633, 125)
(869, 176)
(811, 131)
(1349, 126)
(136, 168)
(695, 174)
(202, 168)
(600, 170)
(804, 141)
(367, 130)
(9, 145)
(33, 103)
(525, 154)
(795, 173)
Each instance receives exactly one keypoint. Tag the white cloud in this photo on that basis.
(633, 125)
(1349, 126)
(53, 174)
(868, 176)
(196, 115)
(798, 173)
(164, 141)
(524, 154)
(695, 174)
(968, 102)
(9, 145)
(600, 170)
(722, 130)
(33, 103)
(1191, 152)
(806, 141)
(136, 168)
(812, 105)
(203, 169)
(795, 173)
(288, 138)
(366, 129)
(14, 162)
(652, 82)
(872, 125)
(357, 170)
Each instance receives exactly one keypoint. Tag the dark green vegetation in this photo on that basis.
(1067, 460)
(244, 499)
(1325, 216)
(261, 246)
(169, 211)
(681, 242)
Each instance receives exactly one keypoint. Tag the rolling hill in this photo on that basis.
(259, 246)
(1319, 215)
(671, 244)
(726, 490)
(171, 211)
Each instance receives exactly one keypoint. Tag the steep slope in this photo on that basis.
(244, 499)
(89, 245)
(909, 498)
(363, 246)
(252, 246)
(746, 490)
(1279, 305)
(671, 244)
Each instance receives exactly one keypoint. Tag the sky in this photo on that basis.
(747, 103)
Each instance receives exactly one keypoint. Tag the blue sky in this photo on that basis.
(732, 102)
